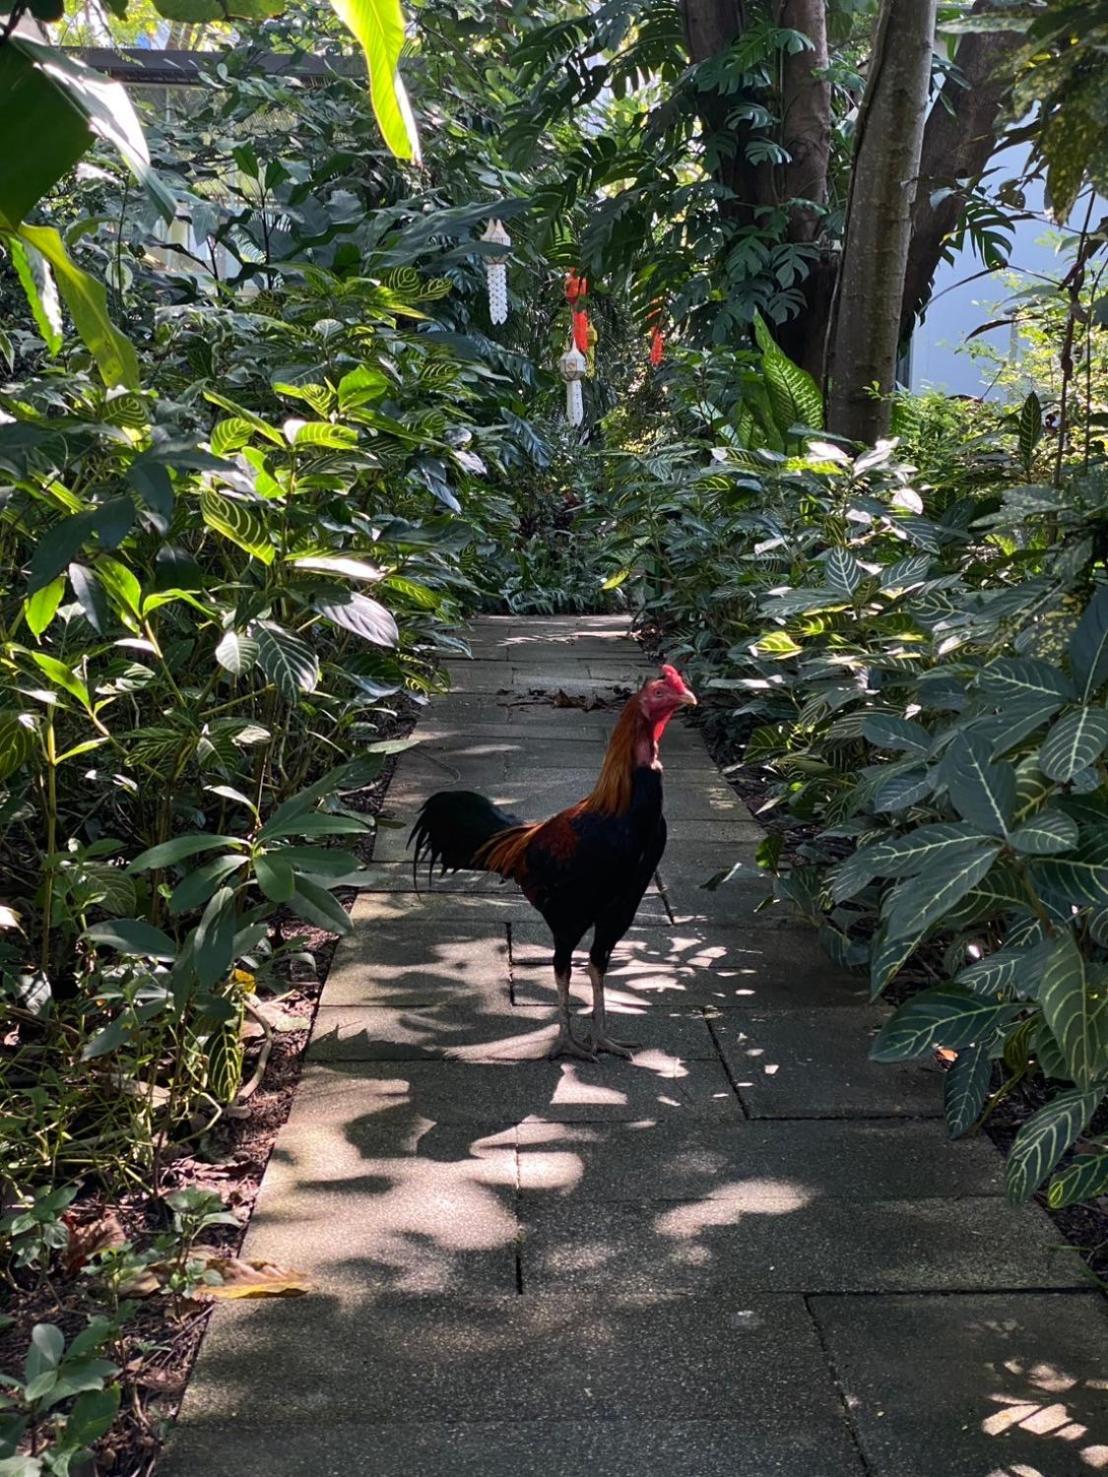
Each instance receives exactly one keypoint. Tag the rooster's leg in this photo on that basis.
(601, 1041)
(566, 1043)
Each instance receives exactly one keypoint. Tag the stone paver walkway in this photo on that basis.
(748, 1251)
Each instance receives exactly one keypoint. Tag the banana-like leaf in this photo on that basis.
(924, 899)
(87, 303)
(378, 26)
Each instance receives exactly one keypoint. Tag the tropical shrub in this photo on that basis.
(920, 673)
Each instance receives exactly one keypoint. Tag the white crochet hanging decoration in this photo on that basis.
(496, 272)
(574, 367)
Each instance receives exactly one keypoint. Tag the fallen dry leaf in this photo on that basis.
(243, 1279)
(86, 1239)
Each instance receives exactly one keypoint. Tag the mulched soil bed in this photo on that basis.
(1082, 1226)
(157, 1350)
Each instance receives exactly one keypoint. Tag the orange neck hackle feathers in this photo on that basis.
(634, 743)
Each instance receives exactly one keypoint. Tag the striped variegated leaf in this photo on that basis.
(946, 1016)
(1019, 721)
(1088, 648)
(1074, 1009)
(1022, 679)
(1074, 743)
(890, 732)
(886, 959)
(900, 791)
(1008, 972)
(924, 899)
(1079, 878)
(965, 1087)
(905, 856)
(1084, 1179)
(981, 790)
(1043, 1140)
(1046, 834)
(842, 571)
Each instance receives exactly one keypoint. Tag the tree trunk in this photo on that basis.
(806, 134)
(806, 116)
(958, 143)
(865, 320)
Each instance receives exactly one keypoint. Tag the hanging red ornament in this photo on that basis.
(581, 330)
(657, 346)
(576, 287)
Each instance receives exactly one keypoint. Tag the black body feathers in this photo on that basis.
(452, 827)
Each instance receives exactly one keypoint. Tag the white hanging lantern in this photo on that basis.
(496, 272)
(574, 367)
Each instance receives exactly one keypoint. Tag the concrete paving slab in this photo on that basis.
(683, 947)
(424, 1359)
(765, 983)
(572, 1448)
(346, 1205)
(427, 1124)
(462, 966)
(1006, 1383)
(492, 1032)
(431, 909)
(815, 1064)
(661, 1159)
(654, 1085)
(775, 1235)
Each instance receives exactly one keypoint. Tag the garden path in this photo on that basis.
(747, 1251)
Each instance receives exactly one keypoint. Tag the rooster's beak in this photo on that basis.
(688, 699)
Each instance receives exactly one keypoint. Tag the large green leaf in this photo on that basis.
(1080, 877)
(1084, 1179)
(133, 936)
(213, 939)
(106, 109)
(53, 132)
(890, 732)
(945, 1016)
(1088, 648)
(842, 571)
(887, 958)
(378, 26)
(316, 905)
(924, 899)
(1024, 680)
(981, 790)
(1075, 742)
(18, 741)
(40, 290)
(1043, 1139)
(235, 521)
(965, 1087)
(794, 394)
(909, 854)
(362, 615)
(1007, 971)
(289, 663)
(1075, 1012)
(88, 307)
(1047, 833)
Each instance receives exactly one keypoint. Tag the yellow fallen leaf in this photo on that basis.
(243, 1279)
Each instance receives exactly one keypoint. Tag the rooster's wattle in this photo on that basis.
(586, 867)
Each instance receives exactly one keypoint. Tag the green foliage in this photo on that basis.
(919, 669)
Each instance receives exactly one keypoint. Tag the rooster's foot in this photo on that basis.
(567, 1044)
(613, 1048)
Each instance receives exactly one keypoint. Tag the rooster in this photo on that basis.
(586, 867)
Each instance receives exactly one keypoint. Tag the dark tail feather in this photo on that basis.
(453, 827)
